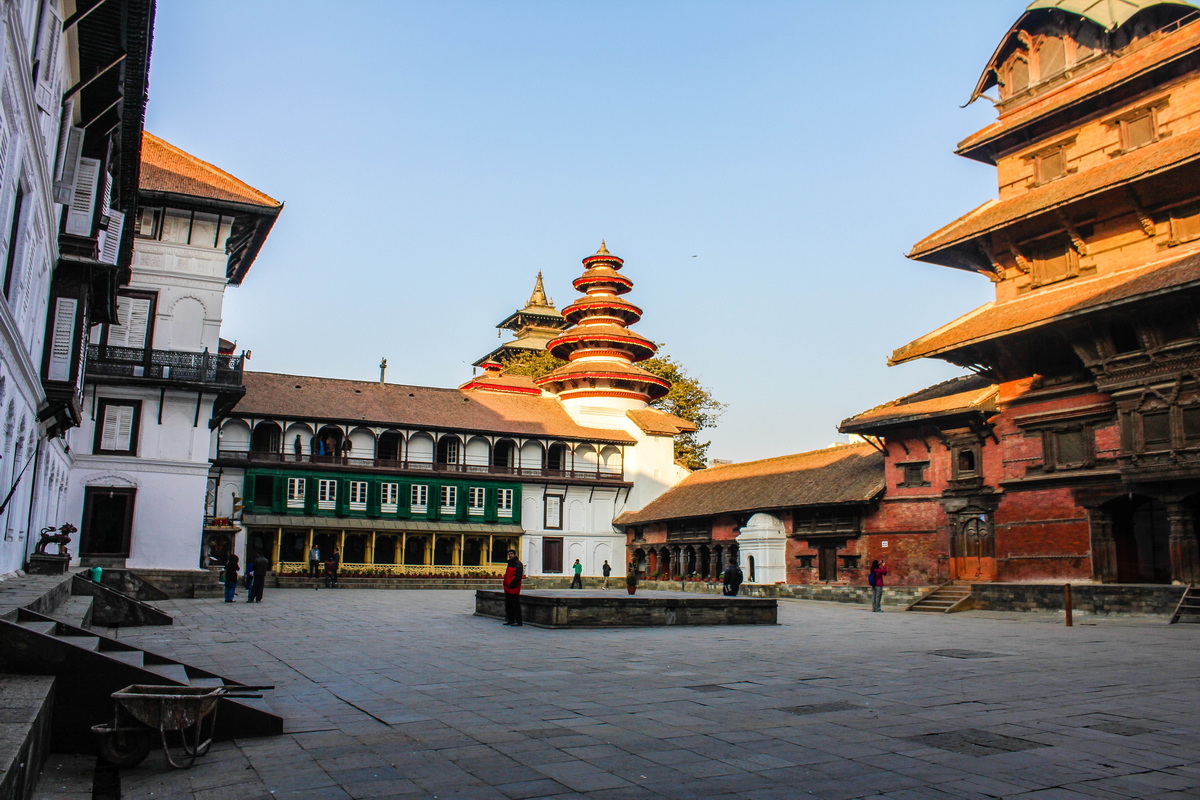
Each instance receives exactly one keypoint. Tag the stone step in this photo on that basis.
(84, 642)
(134, 657)
(76, 611)
(25, 708)
(174, 672)
(40, 626)
(209, 682)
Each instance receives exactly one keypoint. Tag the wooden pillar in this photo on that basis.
(1183, 545)
(1104, 546)
(341, 545)
(278, 548)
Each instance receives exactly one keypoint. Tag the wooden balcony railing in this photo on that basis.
(595, 473)
(164, 365)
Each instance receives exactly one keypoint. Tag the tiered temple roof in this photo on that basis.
(599, 346)
(534, 325)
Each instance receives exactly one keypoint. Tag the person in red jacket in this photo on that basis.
(512, 589)
(875, 579)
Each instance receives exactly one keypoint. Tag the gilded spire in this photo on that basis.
(538, 298)
(603, 251)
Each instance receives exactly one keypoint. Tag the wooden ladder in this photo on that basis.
(1188, 609)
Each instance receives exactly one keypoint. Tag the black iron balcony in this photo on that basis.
(173, 366)
(248, 457)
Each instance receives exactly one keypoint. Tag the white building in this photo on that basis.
(159, 381)
(72, 97)
(445, 480)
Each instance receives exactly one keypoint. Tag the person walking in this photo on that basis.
(733, 579)
(606, 570)
(577, 581)
(331, 569)
(314, 561)
(261, 567)
(875, 579)
(513, 576)
(232, 565)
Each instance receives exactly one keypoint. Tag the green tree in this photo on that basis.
(688, 399)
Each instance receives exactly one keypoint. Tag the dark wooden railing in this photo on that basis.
(254, 457)
(168, 365)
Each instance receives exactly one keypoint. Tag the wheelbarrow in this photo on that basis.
(140, 710)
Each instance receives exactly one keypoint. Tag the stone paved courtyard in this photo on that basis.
(406, 694)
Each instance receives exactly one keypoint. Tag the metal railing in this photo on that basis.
(173, 365)
(255, 457)
(347, 569)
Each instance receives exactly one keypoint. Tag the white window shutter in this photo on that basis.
(48, 39)
(70, 145)
(110, 247)
(62, 341)
(134, 316)
(118, 428)
(83, 204)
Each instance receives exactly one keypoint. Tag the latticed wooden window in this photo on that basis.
(1191, 424)
(1071, 448)
(1053, 259)
(1156, 430)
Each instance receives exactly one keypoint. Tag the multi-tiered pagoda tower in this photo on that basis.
(601, 350)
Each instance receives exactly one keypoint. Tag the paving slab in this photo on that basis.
(409, 694)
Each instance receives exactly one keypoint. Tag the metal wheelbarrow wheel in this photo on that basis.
(125, 748)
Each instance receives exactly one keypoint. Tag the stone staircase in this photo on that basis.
(1188, 609)
(945, 599)
(89, 667)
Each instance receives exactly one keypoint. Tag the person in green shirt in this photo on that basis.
(577, 581)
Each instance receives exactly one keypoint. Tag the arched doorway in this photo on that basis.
(266, 438)
(390, 448)
(443, 551)
(356, 549)
(472, 550)
(556, 459)
(385, 550)
(414, 550)
(504, 455)
(448, 452)
(327, 444)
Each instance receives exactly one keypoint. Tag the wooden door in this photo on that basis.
(552, 555)
(827, 563)
(973, 550)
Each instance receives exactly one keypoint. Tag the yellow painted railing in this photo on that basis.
(399, 570)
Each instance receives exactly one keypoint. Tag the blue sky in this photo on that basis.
(762, 167)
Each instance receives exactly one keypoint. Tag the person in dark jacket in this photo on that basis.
(512, 589)
(733, 579)
(261, 567)
(232, 565)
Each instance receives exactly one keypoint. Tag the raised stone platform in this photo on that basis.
(592, 608)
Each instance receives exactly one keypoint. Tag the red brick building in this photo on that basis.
(1073, 450)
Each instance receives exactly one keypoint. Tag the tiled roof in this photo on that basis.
(166, 168)
(1136, 165)
(501, 383)
(968, 393)
(1067, 299)
(1117, 71)
(270, 394)
(654, 421)
(844, 474)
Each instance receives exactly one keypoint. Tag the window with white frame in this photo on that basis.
(326, 494)
(475, 500)
(449, 499)
(295, 493)
(358, 495)
(504, 502)
(420, 498)
(389, 497)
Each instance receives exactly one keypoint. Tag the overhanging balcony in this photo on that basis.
(588, 474)
(164, 367)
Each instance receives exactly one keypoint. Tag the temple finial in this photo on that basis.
(538, 298)
(603, 251)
